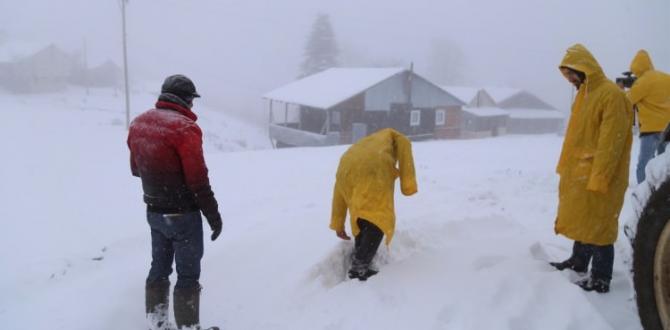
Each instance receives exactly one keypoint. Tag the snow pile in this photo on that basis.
(656, 172)
(470, 251)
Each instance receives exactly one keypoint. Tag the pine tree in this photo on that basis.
(321, 50)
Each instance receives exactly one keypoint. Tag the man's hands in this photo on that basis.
(343, 235)
(215, 224)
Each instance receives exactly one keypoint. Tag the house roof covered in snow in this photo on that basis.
(501, 93)
(15, 50)
(525, 100)
(464, 94)
(486, 111)
(331, 87)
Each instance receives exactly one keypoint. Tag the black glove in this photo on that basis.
(215, 224)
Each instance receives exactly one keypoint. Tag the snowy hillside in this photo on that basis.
(470, 249)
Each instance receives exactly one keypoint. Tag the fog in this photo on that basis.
(237, 50)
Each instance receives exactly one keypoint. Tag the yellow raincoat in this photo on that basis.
(593, 165)
(650, 93)
(365, 181)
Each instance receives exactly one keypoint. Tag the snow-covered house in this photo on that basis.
(528, 114)
(34, 68)
(342, 105)
(45, 70)
(107, 74)
(481, 117)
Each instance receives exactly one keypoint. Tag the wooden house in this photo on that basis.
(342, 105)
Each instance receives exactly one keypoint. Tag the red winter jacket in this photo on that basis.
(166, 153)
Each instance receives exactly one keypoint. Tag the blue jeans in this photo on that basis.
(176, 237)
(649, 144)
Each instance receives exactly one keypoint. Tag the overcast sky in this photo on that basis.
(236, 50)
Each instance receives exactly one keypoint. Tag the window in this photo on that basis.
(415, 118)
(440, 117)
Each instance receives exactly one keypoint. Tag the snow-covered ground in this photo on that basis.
(470, 249)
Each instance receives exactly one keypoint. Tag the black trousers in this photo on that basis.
(366, 242)
(601, 258)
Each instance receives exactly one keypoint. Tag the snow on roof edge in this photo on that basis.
(309, 91)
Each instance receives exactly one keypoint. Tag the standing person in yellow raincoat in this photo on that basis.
(651, 95)
(364, 185)
(593, 168)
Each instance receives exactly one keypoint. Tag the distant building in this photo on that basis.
(342, 105)
(46, 70)
(528, 114)
(492, 111)
(480, 117)
(107, 74)
(27, 68)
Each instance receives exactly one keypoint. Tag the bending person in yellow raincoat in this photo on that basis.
(651, 95)
(593, 169)
(364, 185)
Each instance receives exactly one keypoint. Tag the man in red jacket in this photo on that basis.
(166, 153)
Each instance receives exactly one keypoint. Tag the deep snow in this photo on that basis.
(470, 249)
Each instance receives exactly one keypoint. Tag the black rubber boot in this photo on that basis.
(570, 264)
(361, 270)
(595, 284)
(601, 270)
(578, 261)
(366, 244)
(187, 307)
(157, 302)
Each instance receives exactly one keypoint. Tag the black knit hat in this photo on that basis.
(179, 85)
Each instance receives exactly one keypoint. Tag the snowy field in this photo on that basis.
(470, 250)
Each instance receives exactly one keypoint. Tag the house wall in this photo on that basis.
(392, 96)
(381, 96)
(395, 90)
(345, 114)
(399, 119)
(475, 126)
(452, 123)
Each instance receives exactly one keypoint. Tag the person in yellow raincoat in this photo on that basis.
(651, 95)
(593, 168)
(364, 185)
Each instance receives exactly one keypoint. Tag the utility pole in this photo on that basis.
(125, 61)
(85, 68)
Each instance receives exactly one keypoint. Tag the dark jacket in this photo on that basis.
(166, 153)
